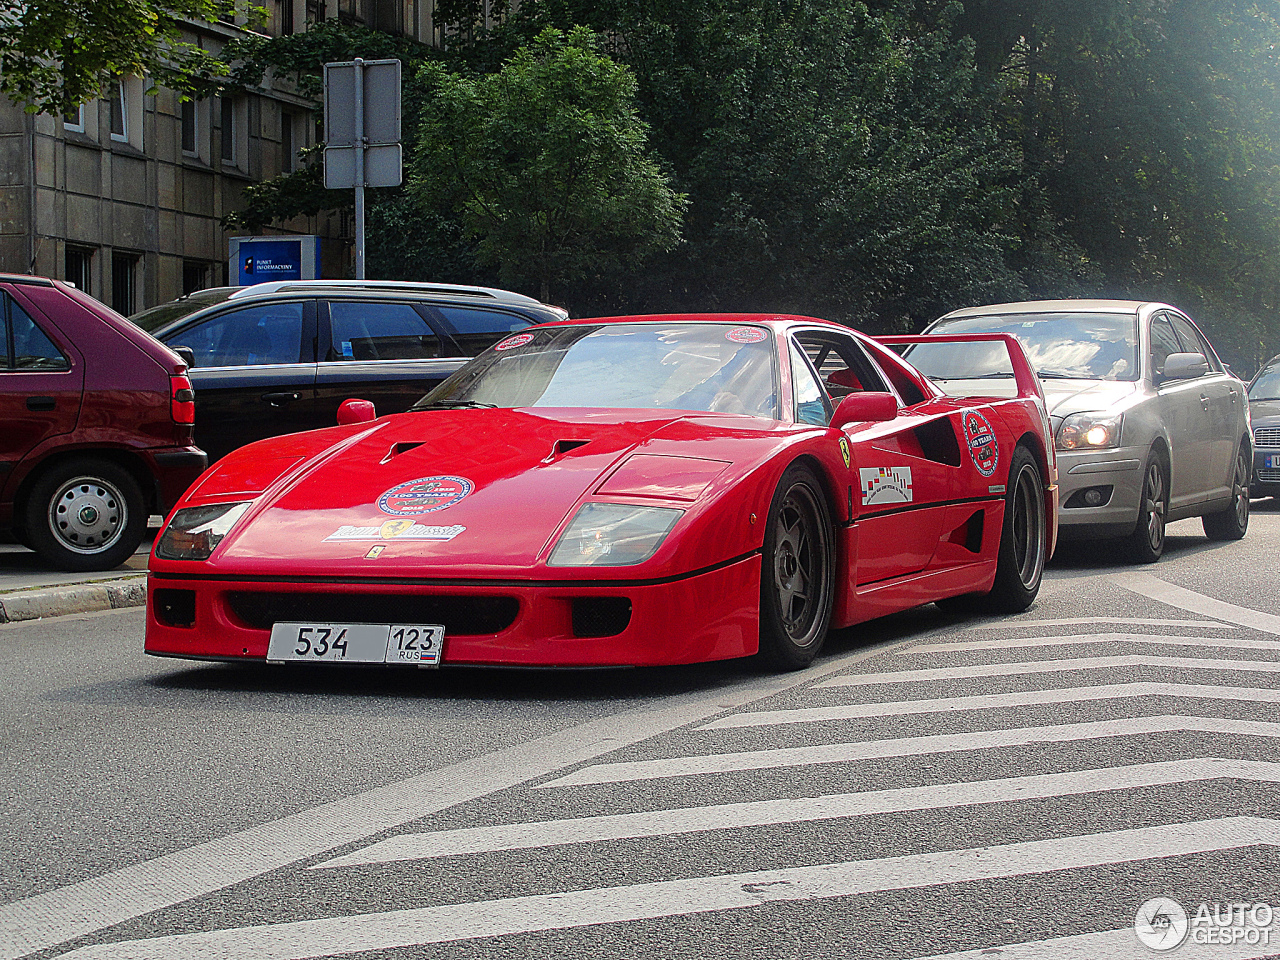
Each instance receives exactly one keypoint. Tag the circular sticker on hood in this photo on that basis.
(981, 440)
(519, 340)
(745, 335)
(424, 495)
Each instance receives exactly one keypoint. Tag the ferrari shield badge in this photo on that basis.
(981, 441)
(844, 451)
(424, 495)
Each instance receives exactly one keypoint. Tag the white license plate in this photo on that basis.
(1273, 461)
(397, 643)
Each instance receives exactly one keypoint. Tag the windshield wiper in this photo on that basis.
(976, 376)
(1051, 375)
(453, 404)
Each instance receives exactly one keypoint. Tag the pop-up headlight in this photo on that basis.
(193, 533)
(613, 535)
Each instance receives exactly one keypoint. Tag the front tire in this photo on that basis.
(1232, 523)
(797, 579)
(85, 514)
(1146, 543)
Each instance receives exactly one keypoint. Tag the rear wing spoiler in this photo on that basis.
(1023, 375)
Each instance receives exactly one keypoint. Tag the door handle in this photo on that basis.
(1204, 401)
(279, 399)
(41, 403)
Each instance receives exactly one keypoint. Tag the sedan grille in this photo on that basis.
(1268, 476)
(1266, 436)
(461, 615)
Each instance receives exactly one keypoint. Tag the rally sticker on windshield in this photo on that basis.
(882, 485)
(745, 335)
(396, 530)
(424, 495)
(981, 440)
(519, 340)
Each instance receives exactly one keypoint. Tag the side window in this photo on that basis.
(32, 349)
(1163, 343)
(1193, 341)
(841, 364)
(380, 331)
(267, 333)
(476, 330)
(812, 405)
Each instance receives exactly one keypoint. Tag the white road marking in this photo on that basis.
(671, 898)
(993, 701)
(1064, 665)
(724, 816)
(78, 909)
(1023, 623)
(1112, 944)
(1010, 643)
(688, 766)
(1154, 588)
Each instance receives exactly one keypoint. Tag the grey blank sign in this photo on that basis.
(381, 102)
(381, 166)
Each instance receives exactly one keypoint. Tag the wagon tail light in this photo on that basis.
(182, 406)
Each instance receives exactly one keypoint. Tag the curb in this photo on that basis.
(73, 598)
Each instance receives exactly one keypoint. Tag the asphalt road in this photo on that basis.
(933, 786)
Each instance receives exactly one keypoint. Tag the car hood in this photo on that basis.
(1065, 397)
(1264, 410)
(442, 491)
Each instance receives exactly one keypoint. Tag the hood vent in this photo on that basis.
(403, 447)
(562, 447)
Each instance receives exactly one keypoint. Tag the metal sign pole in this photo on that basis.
(359, 158)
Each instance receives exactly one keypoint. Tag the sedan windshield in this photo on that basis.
(163, 314)
(722, 368)
(1076, 346)
(1267, 386)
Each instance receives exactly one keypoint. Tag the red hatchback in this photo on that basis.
(95, 425)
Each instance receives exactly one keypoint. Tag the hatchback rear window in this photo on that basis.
(27, 347)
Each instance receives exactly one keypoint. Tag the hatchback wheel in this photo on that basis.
(85, 514)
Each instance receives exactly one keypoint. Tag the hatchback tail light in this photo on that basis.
(182, 400)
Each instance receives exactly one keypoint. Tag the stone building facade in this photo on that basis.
(126, 197)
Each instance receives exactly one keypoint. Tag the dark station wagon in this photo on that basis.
(281, 357)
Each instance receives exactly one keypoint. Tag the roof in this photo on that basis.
(384, 286)
(1052, 306)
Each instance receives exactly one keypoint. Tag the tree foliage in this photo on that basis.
(546, 163)
(57, 54)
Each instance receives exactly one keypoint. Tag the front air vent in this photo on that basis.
(600, 616)
(403, 447)
(562, 447)
(466, 615)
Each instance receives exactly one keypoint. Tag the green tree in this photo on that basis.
(56, 54)
(546, 162)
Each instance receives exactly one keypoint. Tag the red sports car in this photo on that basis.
(625, 491)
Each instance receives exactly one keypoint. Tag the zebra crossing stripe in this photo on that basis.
(671, 898)
(1112, 944)
(1153, 588)
(724, 816)
(992, 701)
(687, 766)
(1009, 643)
(1026, 668)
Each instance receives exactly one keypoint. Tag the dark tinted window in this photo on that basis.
(476, 330)
(380, 331)
(1163, 343)
(32, 349)
(269, 333)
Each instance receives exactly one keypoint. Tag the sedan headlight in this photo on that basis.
(613, 535)
(1089, 431)
(193, 533)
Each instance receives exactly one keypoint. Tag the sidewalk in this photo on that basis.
(31, 589)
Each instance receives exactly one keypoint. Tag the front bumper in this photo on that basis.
(712, 615)
(1116, 474)
(1266, 479)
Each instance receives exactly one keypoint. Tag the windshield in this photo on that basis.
(1267, 386)
(722, 368)
(163, 314)
(1078, 346)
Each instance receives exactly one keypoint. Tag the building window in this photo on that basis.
(125, 105)
(74, 120)
(119, 113)
(286, 17)
(315, 11)
(195, 276)
(124, 283)
(77, 265)
(288, 152)
(190, 128)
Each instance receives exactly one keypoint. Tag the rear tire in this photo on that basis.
(1146, 543)
(797, 577)
(85, 514)
(1232, 523)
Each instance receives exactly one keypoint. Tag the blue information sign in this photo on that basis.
(260, 260)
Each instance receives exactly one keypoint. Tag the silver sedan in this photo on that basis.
(1149, 425)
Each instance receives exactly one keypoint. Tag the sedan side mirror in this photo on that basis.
(864, 407)
(187, 354)
(1184, 366)
(356, 411)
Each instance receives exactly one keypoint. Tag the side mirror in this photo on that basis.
(356, 411)
(1184, 366)
(187, 354)
(864, 407)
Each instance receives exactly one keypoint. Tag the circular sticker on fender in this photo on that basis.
(424, 495)
(745, 335)
(981, 440)
(519, 340)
